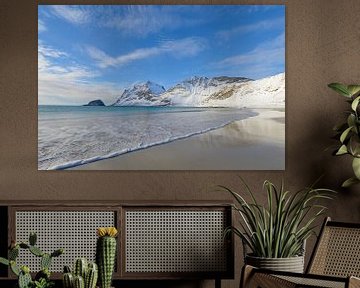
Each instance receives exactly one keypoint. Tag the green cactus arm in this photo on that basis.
(4, 261)
(24, 245)
(24, 280)
(79, 282)
(45, 261)
(36, 251)
(91, 278)
(57, 252)
(80, 268)
(32, 238)
(68, 280)
(67, 269)
(14, 268)
(13, 253)
(25, 269)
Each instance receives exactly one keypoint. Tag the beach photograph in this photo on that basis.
(161, 87)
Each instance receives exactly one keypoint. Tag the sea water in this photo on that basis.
(69, 136)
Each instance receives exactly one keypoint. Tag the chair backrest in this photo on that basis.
(337, 251)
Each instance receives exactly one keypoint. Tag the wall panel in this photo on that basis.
(322, 41)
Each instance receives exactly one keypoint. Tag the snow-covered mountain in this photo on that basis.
(210, 92)
(202, 91)
(144, 94)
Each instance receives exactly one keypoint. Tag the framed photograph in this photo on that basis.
(161, 87)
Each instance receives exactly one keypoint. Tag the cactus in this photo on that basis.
(67, 269)
(32, 239)
(14, 268)
(45, 261)
(79, 282)
(4, 261)
(13, 253)
(91, 276)
(105, 254)
(24, 245)
(44, 273)
(68, 280)
(24, 277)
(80, 268)
(90, 272)
(57, 252)
(42, 278)
(36, 251)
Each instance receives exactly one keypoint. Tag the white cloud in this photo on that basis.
(186, 47)
(142, 20)
(257, 8)
(69, 84)
(134, 20)
(249, 28)
(41, 26)
(71, 13)
(264, 58)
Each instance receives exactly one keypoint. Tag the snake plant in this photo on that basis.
(348, 132)
(279, 228)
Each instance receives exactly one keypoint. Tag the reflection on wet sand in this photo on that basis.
(256, 143)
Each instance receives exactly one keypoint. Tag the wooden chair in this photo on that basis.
(335, 262)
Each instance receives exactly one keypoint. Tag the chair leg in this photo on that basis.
(246, 274)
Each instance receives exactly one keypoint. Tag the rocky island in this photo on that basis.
(97, 102)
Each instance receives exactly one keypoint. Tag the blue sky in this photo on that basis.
(89, 52)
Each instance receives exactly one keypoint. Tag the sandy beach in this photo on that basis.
(256, 143)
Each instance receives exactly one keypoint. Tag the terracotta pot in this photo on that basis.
(291, 264)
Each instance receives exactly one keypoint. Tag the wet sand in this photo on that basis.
(256, 143)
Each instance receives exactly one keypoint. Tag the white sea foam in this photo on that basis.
(70, 138)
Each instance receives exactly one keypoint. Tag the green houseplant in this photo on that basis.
(348, 132)
(275, 233)
(42, 278)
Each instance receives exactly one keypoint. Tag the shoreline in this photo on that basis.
(239, 145)
(77, 163)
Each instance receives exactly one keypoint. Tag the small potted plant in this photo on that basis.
(348, 132)
(42, 278)
(84, 274)
(276, 233)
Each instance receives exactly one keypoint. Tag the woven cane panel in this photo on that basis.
(74, 231)
(338, 253)
(306, 282)
(175, 241)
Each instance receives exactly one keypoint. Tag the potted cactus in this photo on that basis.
(106, 254)
(42, 278)
(85, 275)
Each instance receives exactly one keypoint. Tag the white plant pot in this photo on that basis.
(291, 264)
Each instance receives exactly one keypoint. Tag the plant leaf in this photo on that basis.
(356, 167)
(4, 261)
(351, 120)
(353, 89)
(354, 145)
(349, 182)
(355, 103)
(345, 134)
(342, 150)
(340, 88)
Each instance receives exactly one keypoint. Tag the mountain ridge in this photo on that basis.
(200, 91)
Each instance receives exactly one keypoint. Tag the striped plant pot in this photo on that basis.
(291, 264)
